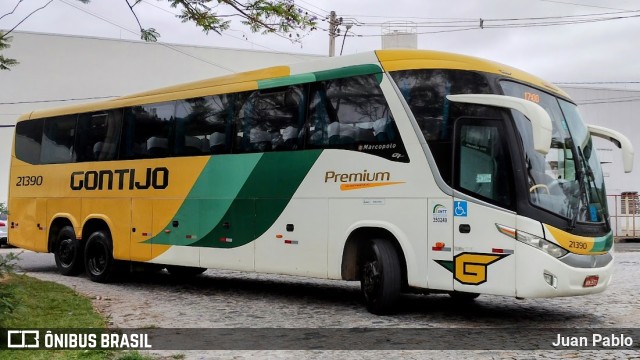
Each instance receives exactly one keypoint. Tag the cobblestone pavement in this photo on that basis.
(228, 299)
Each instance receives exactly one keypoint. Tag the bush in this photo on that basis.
(7, 290)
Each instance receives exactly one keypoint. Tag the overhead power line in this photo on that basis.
(137, 33)
(446, 25)
(58, 100)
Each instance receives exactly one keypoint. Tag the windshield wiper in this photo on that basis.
(583, 199)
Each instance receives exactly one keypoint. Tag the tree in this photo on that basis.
(281, 17)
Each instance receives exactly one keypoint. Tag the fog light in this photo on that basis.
(551, 280)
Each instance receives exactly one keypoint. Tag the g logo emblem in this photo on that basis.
(471, 268)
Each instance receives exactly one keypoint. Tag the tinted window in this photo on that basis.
(483, 167)
(352, 113)
(425, 92)
(58, 140)
(147, 131)
(204, 126)
(271, 120)
(29, 140)
(99, 134)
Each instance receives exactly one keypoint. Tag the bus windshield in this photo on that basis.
(568, 181)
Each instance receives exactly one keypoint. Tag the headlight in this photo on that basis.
(542, 244)
(535, 241)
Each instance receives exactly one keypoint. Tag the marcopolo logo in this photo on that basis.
(360, 180)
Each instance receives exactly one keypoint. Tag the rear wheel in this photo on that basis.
(98, 257)
(185, 271)
(68, 252)
(380, 276)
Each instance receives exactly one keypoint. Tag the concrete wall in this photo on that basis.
(59, 67)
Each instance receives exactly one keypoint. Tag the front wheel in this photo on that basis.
(68, 252)
(98, 257)
(380, 276)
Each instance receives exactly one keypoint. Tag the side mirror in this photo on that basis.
(619, 140)
(540, 120)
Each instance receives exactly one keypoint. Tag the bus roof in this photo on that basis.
(368, 62)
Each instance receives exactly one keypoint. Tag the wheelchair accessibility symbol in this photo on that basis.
(460, 208)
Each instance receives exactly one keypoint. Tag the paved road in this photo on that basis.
(227, 299)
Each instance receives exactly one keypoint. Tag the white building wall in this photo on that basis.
(60, 67)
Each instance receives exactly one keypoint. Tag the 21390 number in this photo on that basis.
(29, 181)
(577, 245)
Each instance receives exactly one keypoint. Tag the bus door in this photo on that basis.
(483, 258)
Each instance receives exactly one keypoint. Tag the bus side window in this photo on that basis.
(29, 140)
(100, 132)
(58, 140)
(147, 131)
(203, 125)
(348, 113)
(271, 120)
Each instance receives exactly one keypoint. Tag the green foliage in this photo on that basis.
(5, 63)
(3, 208)
(44, 304)
(7, 290)
(281, 17)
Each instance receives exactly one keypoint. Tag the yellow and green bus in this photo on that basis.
(406, 170)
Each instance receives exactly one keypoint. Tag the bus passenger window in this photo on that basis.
(58, 140)
(270, 120)
(203, 125)
(99, 135)
(352, 113)
(29, 140)
(147, 130)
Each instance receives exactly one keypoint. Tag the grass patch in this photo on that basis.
(44, 304)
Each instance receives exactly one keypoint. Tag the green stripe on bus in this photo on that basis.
(285, 81)
(356, 70)
(603, 243)
(238, 198)
(221, 179)
(262, 199)
(342, 72)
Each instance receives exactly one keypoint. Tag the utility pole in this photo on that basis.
(333, 27)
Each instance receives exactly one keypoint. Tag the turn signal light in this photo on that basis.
(591, 281)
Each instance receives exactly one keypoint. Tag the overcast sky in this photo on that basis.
(593, 51)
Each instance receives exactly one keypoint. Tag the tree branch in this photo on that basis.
(134, 13)
(23, 20)
(145, 34)
(237, 6)
(12, 11)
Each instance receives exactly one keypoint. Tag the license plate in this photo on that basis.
(591, 281)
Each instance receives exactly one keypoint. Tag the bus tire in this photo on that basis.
(380, 276)
(68, 252)
(98, 257)
(185, 271)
